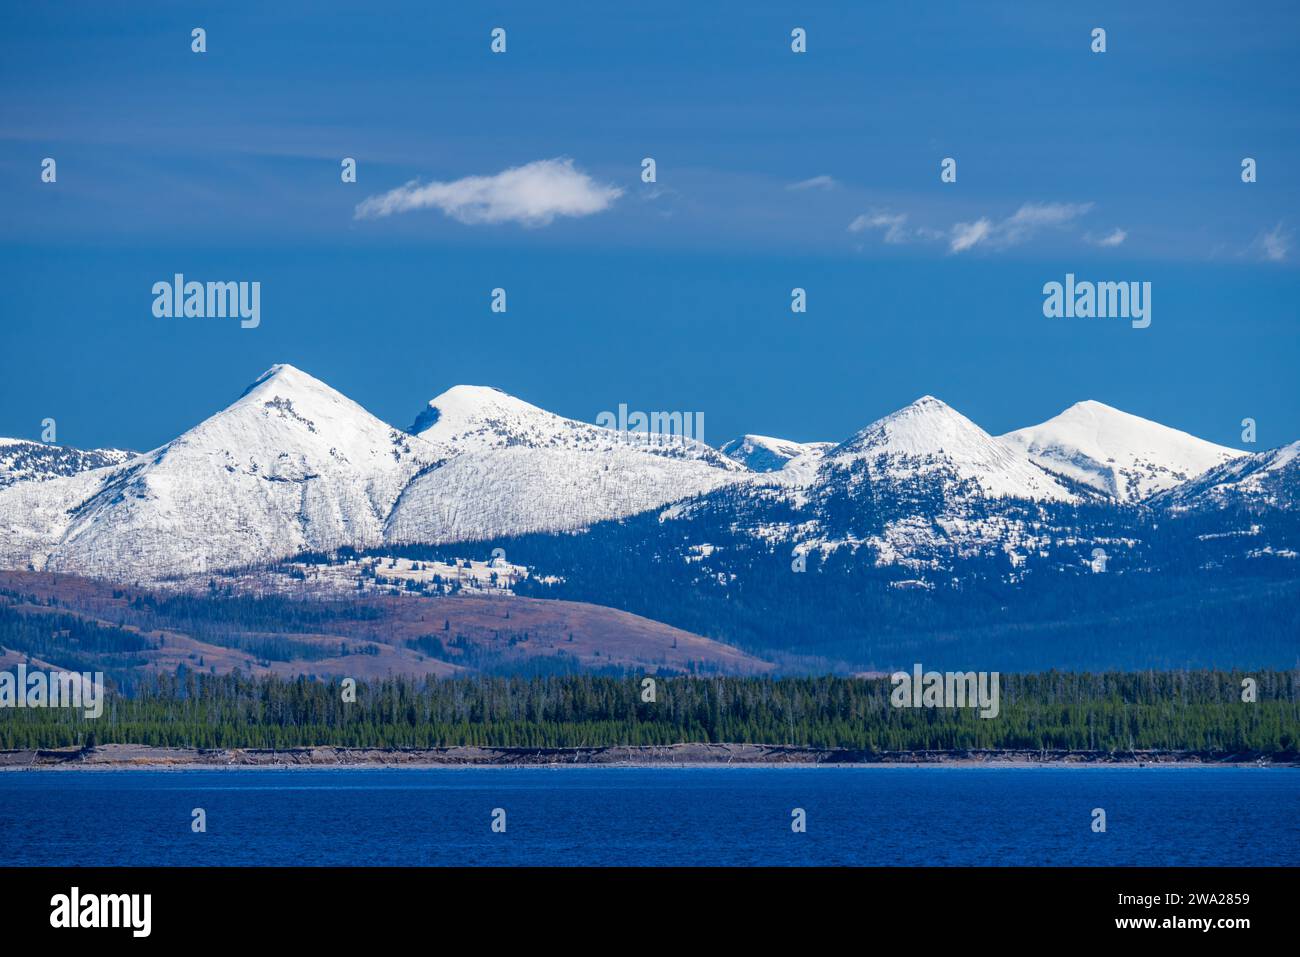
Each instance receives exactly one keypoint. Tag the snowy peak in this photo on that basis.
(291, 465)
(930, 439)
(1121, 455)
(288, 376)
(475, 419)
(509, 467)
(926, 426)
(286, 405)
(762, 453)
(283, 387)
(291, 426)
(464, 405)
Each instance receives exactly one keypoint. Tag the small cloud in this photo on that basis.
(1031, 217)
(1114, 238)
(891, 223)
(1047, 214)
(896, 230)
(966, 235)
(1017, 228)
(1274, 244)
(532, 194)
(817, 182)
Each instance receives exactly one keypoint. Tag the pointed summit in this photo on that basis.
(286, 375)
(930, 437)
(926, 425)
(291, 465)
(280, 371)
(1122, 455)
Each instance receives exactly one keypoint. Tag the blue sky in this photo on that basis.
(775, 170)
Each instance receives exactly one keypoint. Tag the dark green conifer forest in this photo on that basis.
(1114, 712)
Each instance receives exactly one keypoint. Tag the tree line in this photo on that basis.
(1113, 711)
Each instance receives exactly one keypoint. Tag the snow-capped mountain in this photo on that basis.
(511, 467)
(475, 418)
(928, 490)
(25, 461)
(291, 465)
(762, 453)
(930, 443)
(921, 486)
(1263, 480)
(1123, 456)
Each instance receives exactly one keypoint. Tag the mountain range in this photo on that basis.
(1094, 540)
(294, 466)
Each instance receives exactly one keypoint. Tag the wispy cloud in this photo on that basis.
(1033, 216)
(967, 235)
(891, 223)
(817, 182)
(532, 194)
(1274, 244)
(1115, 237)
(1022, 225)
(1019, 227)
(896, 230)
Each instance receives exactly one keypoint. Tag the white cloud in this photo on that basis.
(1047, 214)
(817, 182)
(1024, 224)
(532, 194)
(1017, 228)
(896, 230)
(891, 223)
(1115, 237)
(966, 235)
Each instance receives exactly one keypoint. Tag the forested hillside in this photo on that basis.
(1194, 592)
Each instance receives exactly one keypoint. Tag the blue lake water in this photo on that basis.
(653, 816)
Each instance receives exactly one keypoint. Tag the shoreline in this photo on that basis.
(140, 757)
